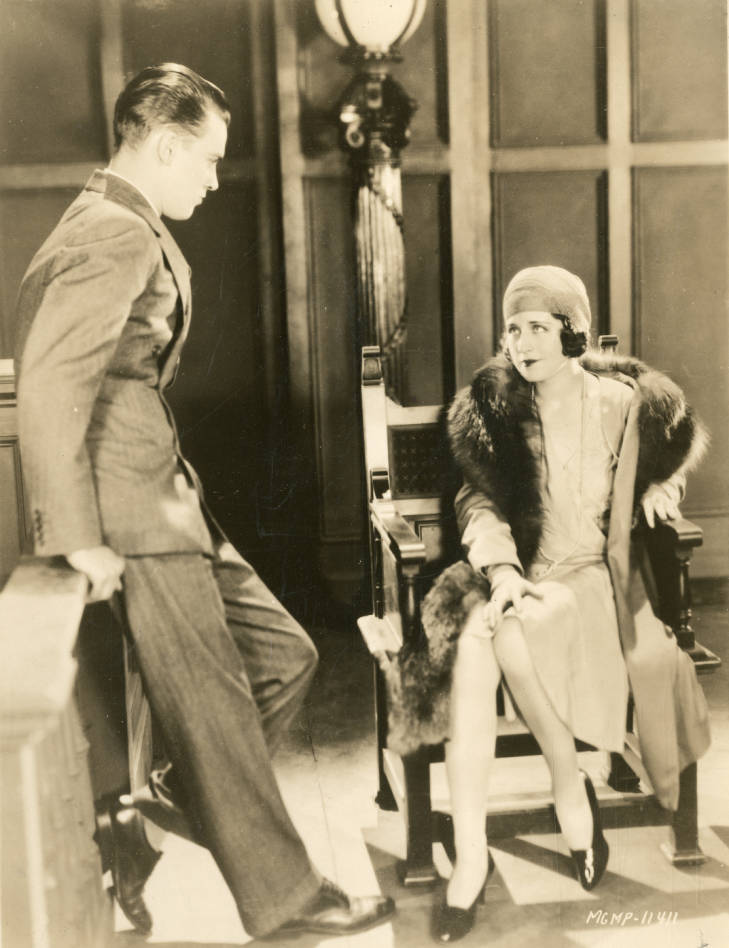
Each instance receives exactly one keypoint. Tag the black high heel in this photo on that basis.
(591, 863)
(451, 923)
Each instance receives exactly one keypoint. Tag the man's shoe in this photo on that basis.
(127, 852)
(332, 912)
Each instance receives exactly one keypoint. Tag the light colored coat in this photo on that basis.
(103, 313)
(670, 709)
(492, 425)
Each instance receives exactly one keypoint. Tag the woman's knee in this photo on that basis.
(475, 660)
(511, 650)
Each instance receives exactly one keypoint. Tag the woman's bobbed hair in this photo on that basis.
(574, 344)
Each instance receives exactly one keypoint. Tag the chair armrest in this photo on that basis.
(682, 535)
(398, 556)
(403, 541)
(670, 545)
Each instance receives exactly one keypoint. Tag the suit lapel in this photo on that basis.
(178, 265)
(115, 188)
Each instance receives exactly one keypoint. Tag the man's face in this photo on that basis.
(192, 170)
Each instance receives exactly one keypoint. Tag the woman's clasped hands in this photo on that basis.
(508, 588)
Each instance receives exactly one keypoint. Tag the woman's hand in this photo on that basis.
(661, 500)
(508, 587)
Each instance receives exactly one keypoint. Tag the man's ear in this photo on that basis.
(166, 144)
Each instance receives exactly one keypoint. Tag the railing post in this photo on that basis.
(52, 893)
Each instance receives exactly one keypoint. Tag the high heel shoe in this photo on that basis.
(591, 863)
(450, 922)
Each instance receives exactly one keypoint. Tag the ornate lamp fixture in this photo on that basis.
(374, 115)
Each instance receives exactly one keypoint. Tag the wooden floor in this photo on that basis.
(327, 774)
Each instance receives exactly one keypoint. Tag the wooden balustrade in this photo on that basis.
(52, 892)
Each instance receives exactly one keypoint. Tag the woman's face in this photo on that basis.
(535, 345)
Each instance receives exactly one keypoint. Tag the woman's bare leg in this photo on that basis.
(554, 738)
(469, 753)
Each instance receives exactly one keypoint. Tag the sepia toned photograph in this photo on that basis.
(364, 473)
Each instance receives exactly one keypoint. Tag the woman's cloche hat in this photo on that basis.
(549, 289)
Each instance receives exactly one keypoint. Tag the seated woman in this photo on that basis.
(558, 449)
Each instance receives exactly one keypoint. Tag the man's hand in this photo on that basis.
(507, 586)
(660, 500)
(103, 569)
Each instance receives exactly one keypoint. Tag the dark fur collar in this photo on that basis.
(492, 422)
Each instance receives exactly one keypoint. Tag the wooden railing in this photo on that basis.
(52, 892)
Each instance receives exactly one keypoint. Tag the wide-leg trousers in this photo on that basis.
(225, 668)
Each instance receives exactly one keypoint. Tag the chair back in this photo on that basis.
(406, 457)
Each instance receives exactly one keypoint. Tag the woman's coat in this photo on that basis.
(491, 427)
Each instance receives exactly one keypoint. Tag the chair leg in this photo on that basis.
(384, 798)
(418, 867)
(622, 777)
(443, 833)
(683, 848)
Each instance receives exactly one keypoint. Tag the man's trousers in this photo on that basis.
(225, 669)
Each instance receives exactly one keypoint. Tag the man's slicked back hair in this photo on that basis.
(167, 94)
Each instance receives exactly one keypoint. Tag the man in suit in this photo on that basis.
(104, 310)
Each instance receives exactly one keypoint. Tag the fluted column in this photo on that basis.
(375, 112)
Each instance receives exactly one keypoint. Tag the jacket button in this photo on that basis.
(156, 350)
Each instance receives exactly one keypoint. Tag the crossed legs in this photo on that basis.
(554, 738)
(479, 663)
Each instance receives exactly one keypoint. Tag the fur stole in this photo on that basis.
(491, 424)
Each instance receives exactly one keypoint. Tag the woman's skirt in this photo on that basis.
(573, 639)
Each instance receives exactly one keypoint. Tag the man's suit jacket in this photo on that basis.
(103, 311)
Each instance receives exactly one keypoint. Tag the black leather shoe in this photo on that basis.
(590, 864)
(127, 852)
(332, 912)
(451, 923)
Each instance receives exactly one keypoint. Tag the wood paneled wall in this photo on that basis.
(63, 66)
(592, 135)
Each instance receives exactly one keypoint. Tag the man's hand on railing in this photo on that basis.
(102, 567)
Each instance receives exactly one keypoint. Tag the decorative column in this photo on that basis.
(374, 116)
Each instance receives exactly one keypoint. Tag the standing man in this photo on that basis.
(104, 311)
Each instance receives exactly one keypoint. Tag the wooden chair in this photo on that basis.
(412, 538)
